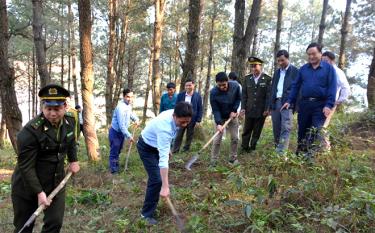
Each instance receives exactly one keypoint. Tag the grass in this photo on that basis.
(265, 193)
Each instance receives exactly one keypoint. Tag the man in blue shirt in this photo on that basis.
(225, 99)
(119, 128)
(154, 148)
(168, 100)
(317, 82)
(281, 85)
(195, 99)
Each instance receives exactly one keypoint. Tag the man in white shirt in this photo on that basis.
(194, 98)
(342, 94)
(281, 85)
(154, 149)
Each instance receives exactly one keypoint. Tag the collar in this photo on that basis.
(125, 102)
(286, 69)
(173, 123)
(257, 77)
(186, 94)
(319, 66)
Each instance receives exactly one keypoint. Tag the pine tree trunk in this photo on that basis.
(158, 33)
(29, 88)
(209, 65)
(3, 131)
(121, 53)
(62, 32)
(238, 33)
(132, 65)
(241, 40)
(87, 79)
(112, 5)
(344, 34)
(176, 54)
(10, 109)
(148, 87)
(371, 84)
(322, 24)
(201, 75)
(73, 53)
(254, 48)
(40, 43)
(70, 24)
(191, 54)
(35, 83)
(278, 32)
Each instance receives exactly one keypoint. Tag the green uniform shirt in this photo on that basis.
(41, 152)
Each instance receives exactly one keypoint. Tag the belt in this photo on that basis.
(140, 140)
(313, 99)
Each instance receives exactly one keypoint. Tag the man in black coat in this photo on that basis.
(281, 86)
(43, 144)
(255, 103)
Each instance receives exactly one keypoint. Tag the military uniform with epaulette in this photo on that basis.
(255, 101)
(42, 149)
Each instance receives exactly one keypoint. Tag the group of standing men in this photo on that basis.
(314, 91)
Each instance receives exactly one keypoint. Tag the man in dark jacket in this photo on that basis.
(43, 144)
(225, 99)
(256, 92)
(195, 99)
(281, 85)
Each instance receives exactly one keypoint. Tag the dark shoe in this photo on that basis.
(185, 149)
(234, 162)
(245, 150)
(150, 220)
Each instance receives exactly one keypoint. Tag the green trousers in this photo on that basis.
(24, 207)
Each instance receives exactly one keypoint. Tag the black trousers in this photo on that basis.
(251, 132)
(180, 134)
(24, 207)
(150, 158)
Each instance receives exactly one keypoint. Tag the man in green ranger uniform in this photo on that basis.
(43, 144)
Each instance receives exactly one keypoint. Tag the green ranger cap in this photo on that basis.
(255, 61)
(53, 95)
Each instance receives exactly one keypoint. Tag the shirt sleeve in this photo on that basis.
(199, 108)
(345, 87)
(215, 109)
(133, 116)
(294, 90)
(332, 87)
(268, 95)
(244, 94)
(26, 160)
(122, 120)
(72, 150)
(161, 104)
(237, 101)
(164, 140)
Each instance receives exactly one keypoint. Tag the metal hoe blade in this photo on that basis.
(191, 161)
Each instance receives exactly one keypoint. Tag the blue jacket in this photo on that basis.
(196, 102)
(290, 76)
(225, 102)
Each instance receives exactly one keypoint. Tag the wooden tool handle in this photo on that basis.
(213, 137)
(54, 192)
